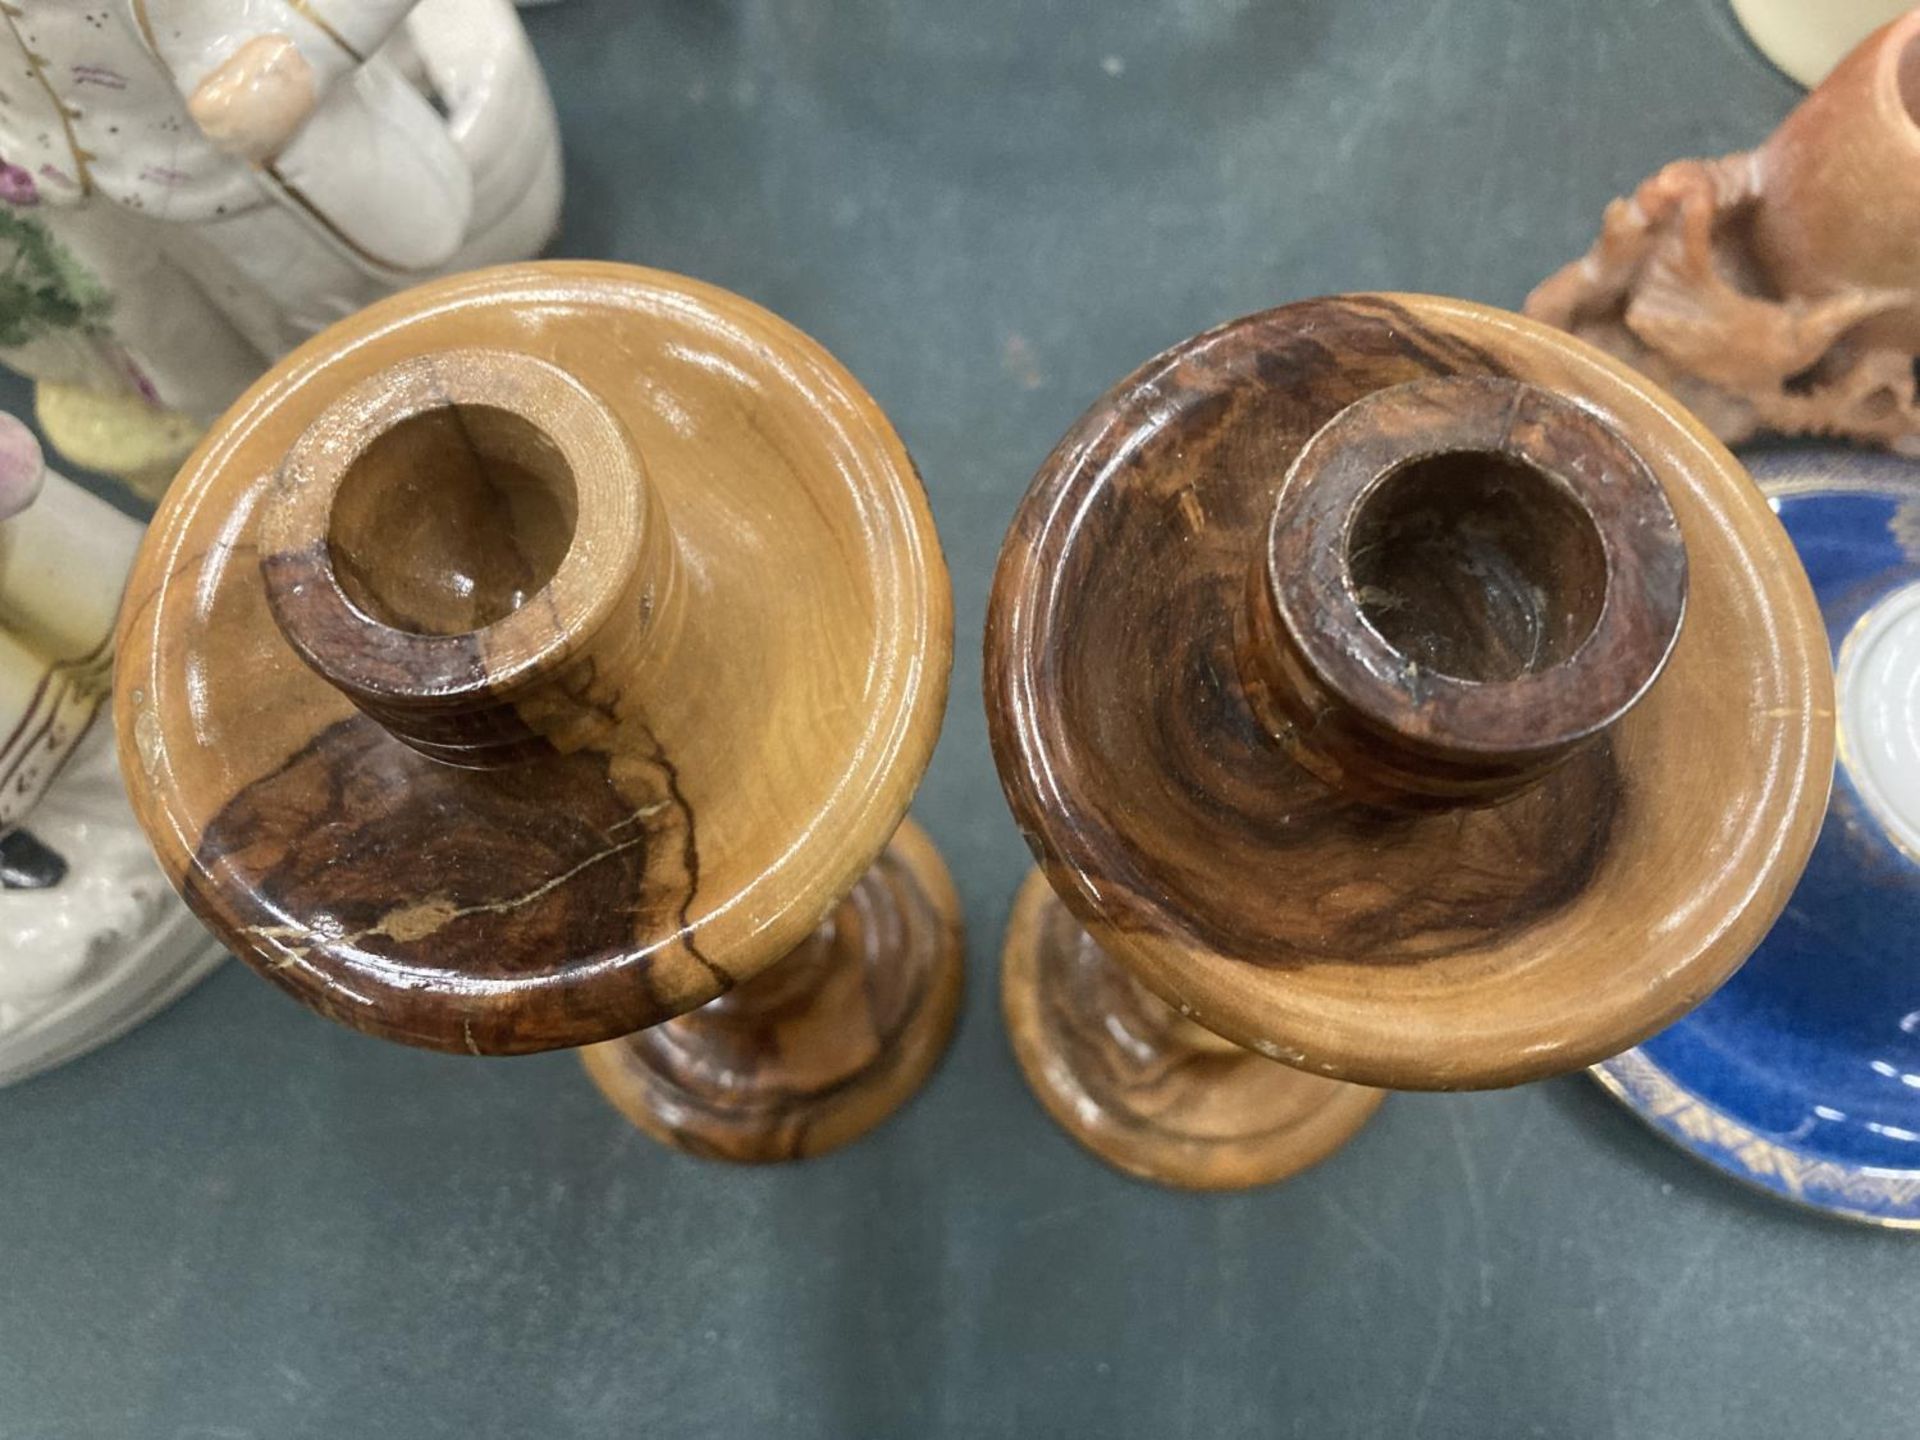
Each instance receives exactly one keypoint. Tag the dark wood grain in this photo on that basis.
(423, 872)
(822, 1047)
(499, 689)
(1324, 675)
(1145, 689)
(1466, 579)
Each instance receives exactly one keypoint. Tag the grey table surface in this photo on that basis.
(243, 1222)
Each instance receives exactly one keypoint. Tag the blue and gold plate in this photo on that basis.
(1802, 1075)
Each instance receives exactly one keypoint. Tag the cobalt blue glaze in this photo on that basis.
(1802, 1075)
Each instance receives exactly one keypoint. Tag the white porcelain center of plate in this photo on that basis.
(1879, 690)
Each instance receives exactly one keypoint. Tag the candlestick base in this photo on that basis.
(1142, 1086)
(820, 1047)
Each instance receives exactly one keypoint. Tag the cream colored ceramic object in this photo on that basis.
(91, 938)
(1806, 38)
(192, 187)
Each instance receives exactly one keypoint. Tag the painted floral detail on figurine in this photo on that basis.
(17, 187)
(43, 288)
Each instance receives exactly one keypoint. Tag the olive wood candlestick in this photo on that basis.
(535, 657)
(1393, 688)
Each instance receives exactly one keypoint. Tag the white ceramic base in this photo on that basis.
(1879, 689)
(83, 961)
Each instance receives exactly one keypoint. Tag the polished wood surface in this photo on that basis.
(534, 657)
(1360, 920)
(1140, 1084)
(1465, 580)
(822, 1047)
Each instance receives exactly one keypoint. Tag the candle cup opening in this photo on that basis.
(461, 544)
(1465, 579)
(452, 519)
(1477, 566)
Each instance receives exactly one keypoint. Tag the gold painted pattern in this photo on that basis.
(303, 8)
(1657, 1098)
(37, 63)
(145, 22)
(319, 217)
(309, 12)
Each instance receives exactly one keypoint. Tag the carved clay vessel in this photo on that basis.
(1777, 289)
(543, 654)
(189, 188)
(1395, 693)
(91, 940)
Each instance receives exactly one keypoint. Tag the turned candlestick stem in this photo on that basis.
(1465, 579)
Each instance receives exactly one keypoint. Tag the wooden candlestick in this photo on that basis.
(1403, 692)
(538, 656)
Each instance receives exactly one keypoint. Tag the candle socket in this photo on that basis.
(1465, 580)
(466, 545)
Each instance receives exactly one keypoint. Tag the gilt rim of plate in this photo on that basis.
(1679, 1105)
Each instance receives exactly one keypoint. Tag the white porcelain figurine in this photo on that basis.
(192, 187)
(92, 939)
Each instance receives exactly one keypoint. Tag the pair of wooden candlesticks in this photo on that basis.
(1395, 692)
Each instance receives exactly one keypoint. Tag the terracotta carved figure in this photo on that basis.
(1777, 289)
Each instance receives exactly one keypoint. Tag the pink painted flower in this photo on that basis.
(22, 470)
(16, 186)
(101, 75)
(143, 382)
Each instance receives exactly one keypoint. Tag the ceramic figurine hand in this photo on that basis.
(252, 105)
(341, 138)
(202, 184)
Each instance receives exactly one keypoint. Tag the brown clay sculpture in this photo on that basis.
(1395, 693)
(543, 654)
(1777, 289)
